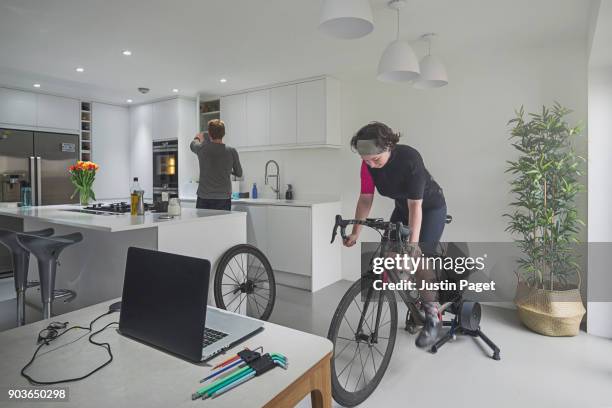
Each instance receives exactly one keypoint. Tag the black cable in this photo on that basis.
(105, 346)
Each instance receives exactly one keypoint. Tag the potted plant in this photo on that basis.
(82, 175)
(545, 218)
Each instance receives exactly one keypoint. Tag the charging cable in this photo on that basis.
(52, 333)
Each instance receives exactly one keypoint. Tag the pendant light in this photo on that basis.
(346, 19)
(398, 62)
(433, 72)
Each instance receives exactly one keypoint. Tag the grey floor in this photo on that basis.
(535, 371)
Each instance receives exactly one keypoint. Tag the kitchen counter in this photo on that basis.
(95, 266)
(64, 215)
(306, 202)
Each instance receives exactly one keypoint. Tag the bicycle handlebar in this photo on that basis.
(376, 223)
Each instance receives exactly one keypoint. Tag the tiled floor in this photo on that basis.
(535, 371)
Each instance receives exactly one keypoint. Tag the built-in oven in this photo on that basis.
(165, 168)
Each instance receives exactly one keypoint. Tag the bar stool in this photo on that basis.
(47, 251)
(21, 263)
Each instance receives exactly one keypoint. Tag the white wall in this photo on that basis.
(460, 130)
(600, 197)
(110, 149)
(599, 306)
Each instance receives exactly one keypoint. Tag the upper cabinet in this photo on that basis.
(258, 118)
(165, 119)
(311, 105)
(57, 112)
(38, 111)
(283, 115)
(296, 115)
(233, 114)
(17, 107)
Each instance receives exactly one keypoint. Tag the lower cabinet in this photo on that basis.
(295, 241)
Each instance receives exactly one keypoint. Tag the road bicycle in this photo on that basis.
(364, 326)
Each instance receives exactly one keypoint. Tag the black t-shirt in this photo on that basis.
(405, 177)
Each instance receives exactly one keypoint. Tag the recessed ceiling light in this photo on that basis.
(36, 85)
(129, 101)
(174, 90)
(223, 80)
(126, 52)
(80, 69)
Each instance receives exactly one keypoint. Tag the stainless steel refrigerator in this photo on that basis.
(40, 158)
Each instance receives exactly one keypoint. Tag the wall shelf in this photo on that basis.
(85, 137)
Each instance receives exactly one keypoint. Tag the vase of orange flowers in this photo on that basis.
(82, 176)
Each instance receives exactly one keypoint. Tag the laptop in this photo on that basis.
(164, 304)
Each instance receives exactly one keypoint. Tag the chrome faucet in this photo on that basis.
(276, 176)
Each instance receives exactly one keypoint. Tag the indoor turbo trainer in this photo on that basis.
(364, 326)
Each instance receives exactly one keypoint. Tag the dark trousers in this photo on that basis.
(214, 204)
(432, 226)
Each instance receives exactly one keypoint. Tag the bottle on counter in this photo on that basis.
(136, 194)
(254, 191)
(26, 194)
(289, 193)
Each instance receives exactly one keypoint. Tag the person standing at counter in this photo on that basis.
(217, 163)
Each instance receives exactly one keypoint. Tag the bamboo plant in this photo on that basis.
(545, 186)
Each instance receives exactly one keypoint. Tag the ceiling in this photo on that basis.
(191, 44)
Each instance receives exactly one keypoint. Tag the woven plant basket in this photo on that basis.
(550, 312)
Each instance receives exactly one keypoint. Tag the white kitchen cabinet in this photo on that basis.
(303, 114)
(111, 147)
(141, 146)
(165, 119)
(57, 112)
(283, 115)
(257, 226)
(311, 112)
(295, 239)
(288, 237)
(233, 114)
(258, 118)
(171, 119)
(188, 166)
(17, 107)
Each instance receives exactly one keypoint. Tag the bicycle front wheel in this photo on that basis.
(362, 348)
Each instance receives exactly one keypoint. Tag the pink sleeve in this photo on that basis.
(367, 182)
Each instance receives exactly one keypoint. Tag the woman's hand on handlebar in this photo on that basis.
(350, 240)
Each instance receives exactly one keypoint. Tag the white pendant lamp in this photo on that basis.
(346, 19)
(398, 62)
(433, 72)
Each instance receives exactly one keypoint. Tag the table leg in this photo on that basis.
(316, 382)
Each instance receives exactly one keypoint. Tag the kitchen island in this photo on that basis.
(294, 235)
(95, 267)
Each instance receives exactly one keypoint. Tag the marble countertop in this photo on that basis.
(65, 215)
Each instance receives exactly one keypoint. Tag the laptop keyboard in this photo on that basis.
(211, 336)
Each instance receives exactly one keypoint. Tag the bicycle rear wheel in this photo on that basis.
(358, 351)
(244, 282)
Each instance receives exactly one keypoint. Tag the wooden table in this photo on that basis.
(144, 376)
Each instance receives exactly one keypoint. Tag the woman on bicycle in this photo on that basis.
(398, 172)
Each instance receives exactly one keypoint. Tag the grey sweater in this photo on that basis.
(217, 163)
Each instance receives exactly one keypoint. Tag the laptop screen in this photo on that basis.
(164, 300)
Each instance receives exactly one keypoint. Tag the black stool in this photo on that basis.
(21, 263)
(47, 250)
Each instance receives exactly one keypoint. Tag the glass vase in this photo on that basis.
(84, 197)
